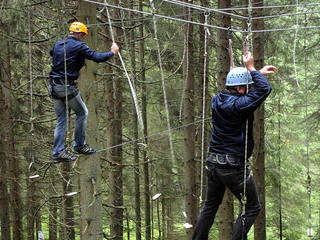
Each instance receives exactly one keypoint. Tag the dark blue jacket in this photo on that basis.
(76, 52)
(229, 115)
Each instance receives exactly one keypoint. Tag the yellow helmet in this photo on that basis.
(78, 27)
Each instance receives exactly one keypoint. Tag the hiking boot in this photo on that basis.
(64, 156)
(85, 150)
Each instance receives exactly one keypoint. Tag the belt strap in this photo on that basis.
(61, 81)
(224, 159)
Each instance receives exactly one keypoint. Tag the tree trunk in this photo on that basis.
(223, 65)
(31, 202)
(259, 172)
(258, 153)
(147, 207)
(189, 132)
(114, 137)
(38, 222)
(53, 209)
(67, 204)
(4, 194)
(163, 219)
(170, 233)
(135, 134)
(137, 179)
(226, 216)
(90, 166)
(14, 168)
(203, 86)
(225, 213)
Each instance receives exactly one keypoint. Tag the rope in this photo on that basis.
(272, 7)
(66, 88)
(134, 95)
(151, 135)
(244, 197)
(163, 84)
(285, 29)
(143, 19)
(30, 91)
(201, 12)
(159, 16)
(285, 15)
(206, 31)
(205, 9)
(245, 7)
(176, 180)
(295, 45)
(279, 155)
(212, 26)
(187, 66)
(221, 11)
(307, 131)
(229, 37)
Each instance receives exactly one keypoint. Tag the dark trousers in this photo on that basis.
(217, 181)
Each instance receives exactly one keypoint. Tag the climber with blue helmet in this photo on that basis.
(232, 119)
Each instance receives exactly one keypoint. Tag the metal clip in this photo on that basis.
(218, 161)
(229, 34)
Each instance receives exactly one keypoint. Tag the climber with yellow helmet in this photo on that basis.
(67, 68)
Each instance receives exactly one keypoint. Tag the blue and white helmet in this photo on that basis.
(238, 76)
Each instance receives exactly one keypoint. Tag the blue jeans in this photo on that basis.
(78, 106)
(217, 181)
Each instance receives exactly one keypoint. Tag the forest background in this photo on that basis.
(147, 180)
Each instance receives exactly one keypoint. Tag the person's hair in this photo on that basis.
(74, 33)
(233, 89)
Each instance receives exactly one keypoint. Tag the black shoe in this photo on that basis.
(64, 156)
(85, 150)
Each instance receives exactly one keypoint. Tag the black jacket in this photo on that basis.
(229, 116)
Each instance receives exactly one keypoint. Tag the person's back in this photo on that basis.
(68, 57)
(74, 61)
(230, 112)
(76, 53)
(232, 117)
